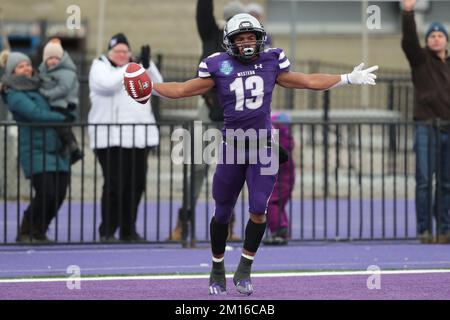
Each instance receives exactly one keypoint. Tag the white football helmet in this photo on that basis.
(240, 23)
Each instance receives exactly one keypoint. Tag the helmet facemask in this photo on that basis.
(247, 53)
(240, 24)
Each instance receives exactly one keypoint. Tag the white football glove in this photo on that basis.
(360, 76)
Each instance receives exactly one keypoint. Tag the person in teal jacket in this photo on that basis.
(40, 148)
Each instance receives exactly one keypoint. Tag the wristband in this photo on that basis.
(344, 81)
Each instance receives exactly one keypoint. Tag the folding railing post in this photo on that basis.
(94, 231)
(395, 182)
(336, 179)
(325, 132)
(57, 186)
(185, 206)
(349, 183)
(206, 174)
(69, 201)
(145, 184)
(192, 195)
(44, 185)
(33, 212)
(131, 218)
(302, 182)
(158, 187)
(313, 186)
(371, 183)
(121, 178)
(170, 186)
(18, 181)
(430, 174)
(392, 140)
(405, 153)
(438, 171)
(5, 184)
(82, 189)
(291, 169)
(383, 190)
(360, 182)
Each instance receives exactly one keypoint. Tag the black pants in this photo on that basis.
(50, 191)
(124, 172)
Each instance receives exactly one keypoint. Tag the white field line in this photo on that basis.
(206, 276)
(289, 266)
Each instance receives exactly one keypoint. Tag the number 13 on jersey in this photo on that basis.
(256, 86)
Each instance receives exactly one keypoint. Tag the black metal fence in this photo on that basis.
(393, 92)
(368, 154)
(353, 181)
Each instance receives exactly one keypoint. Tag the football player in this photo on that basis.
(245, 76)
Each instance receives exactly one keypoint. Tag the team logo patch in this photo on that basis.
(226, 67)
(145, 85)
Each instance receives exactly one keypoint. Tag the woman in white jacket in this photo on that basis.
(121, 149)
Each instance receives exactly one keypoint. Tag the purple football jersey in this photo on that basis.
(245, 89)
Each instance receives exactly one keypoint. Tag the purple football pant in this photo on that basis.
(228, 182)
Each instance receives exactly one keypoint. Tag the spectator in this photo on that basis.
(39, 146)
(209, 109)
(277, 219)
(257, 10)
(122, 150)
(60, 87)
(430, 68)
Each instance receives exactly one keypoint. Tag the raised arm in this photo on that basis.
(320, 81)
(410, 41)
(175, 90)
(206, 23)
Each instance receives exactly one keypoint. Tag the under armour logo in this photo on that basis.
(258, 66)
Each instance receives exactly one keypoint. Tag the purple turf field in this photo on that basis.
(342, 219)
(17, 262)
(393, 286)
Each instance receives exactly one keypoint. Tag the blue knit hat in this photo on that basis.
(14, 58)
(436, 26)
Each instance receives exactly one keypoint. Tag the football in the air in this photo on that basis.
(137, 83)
